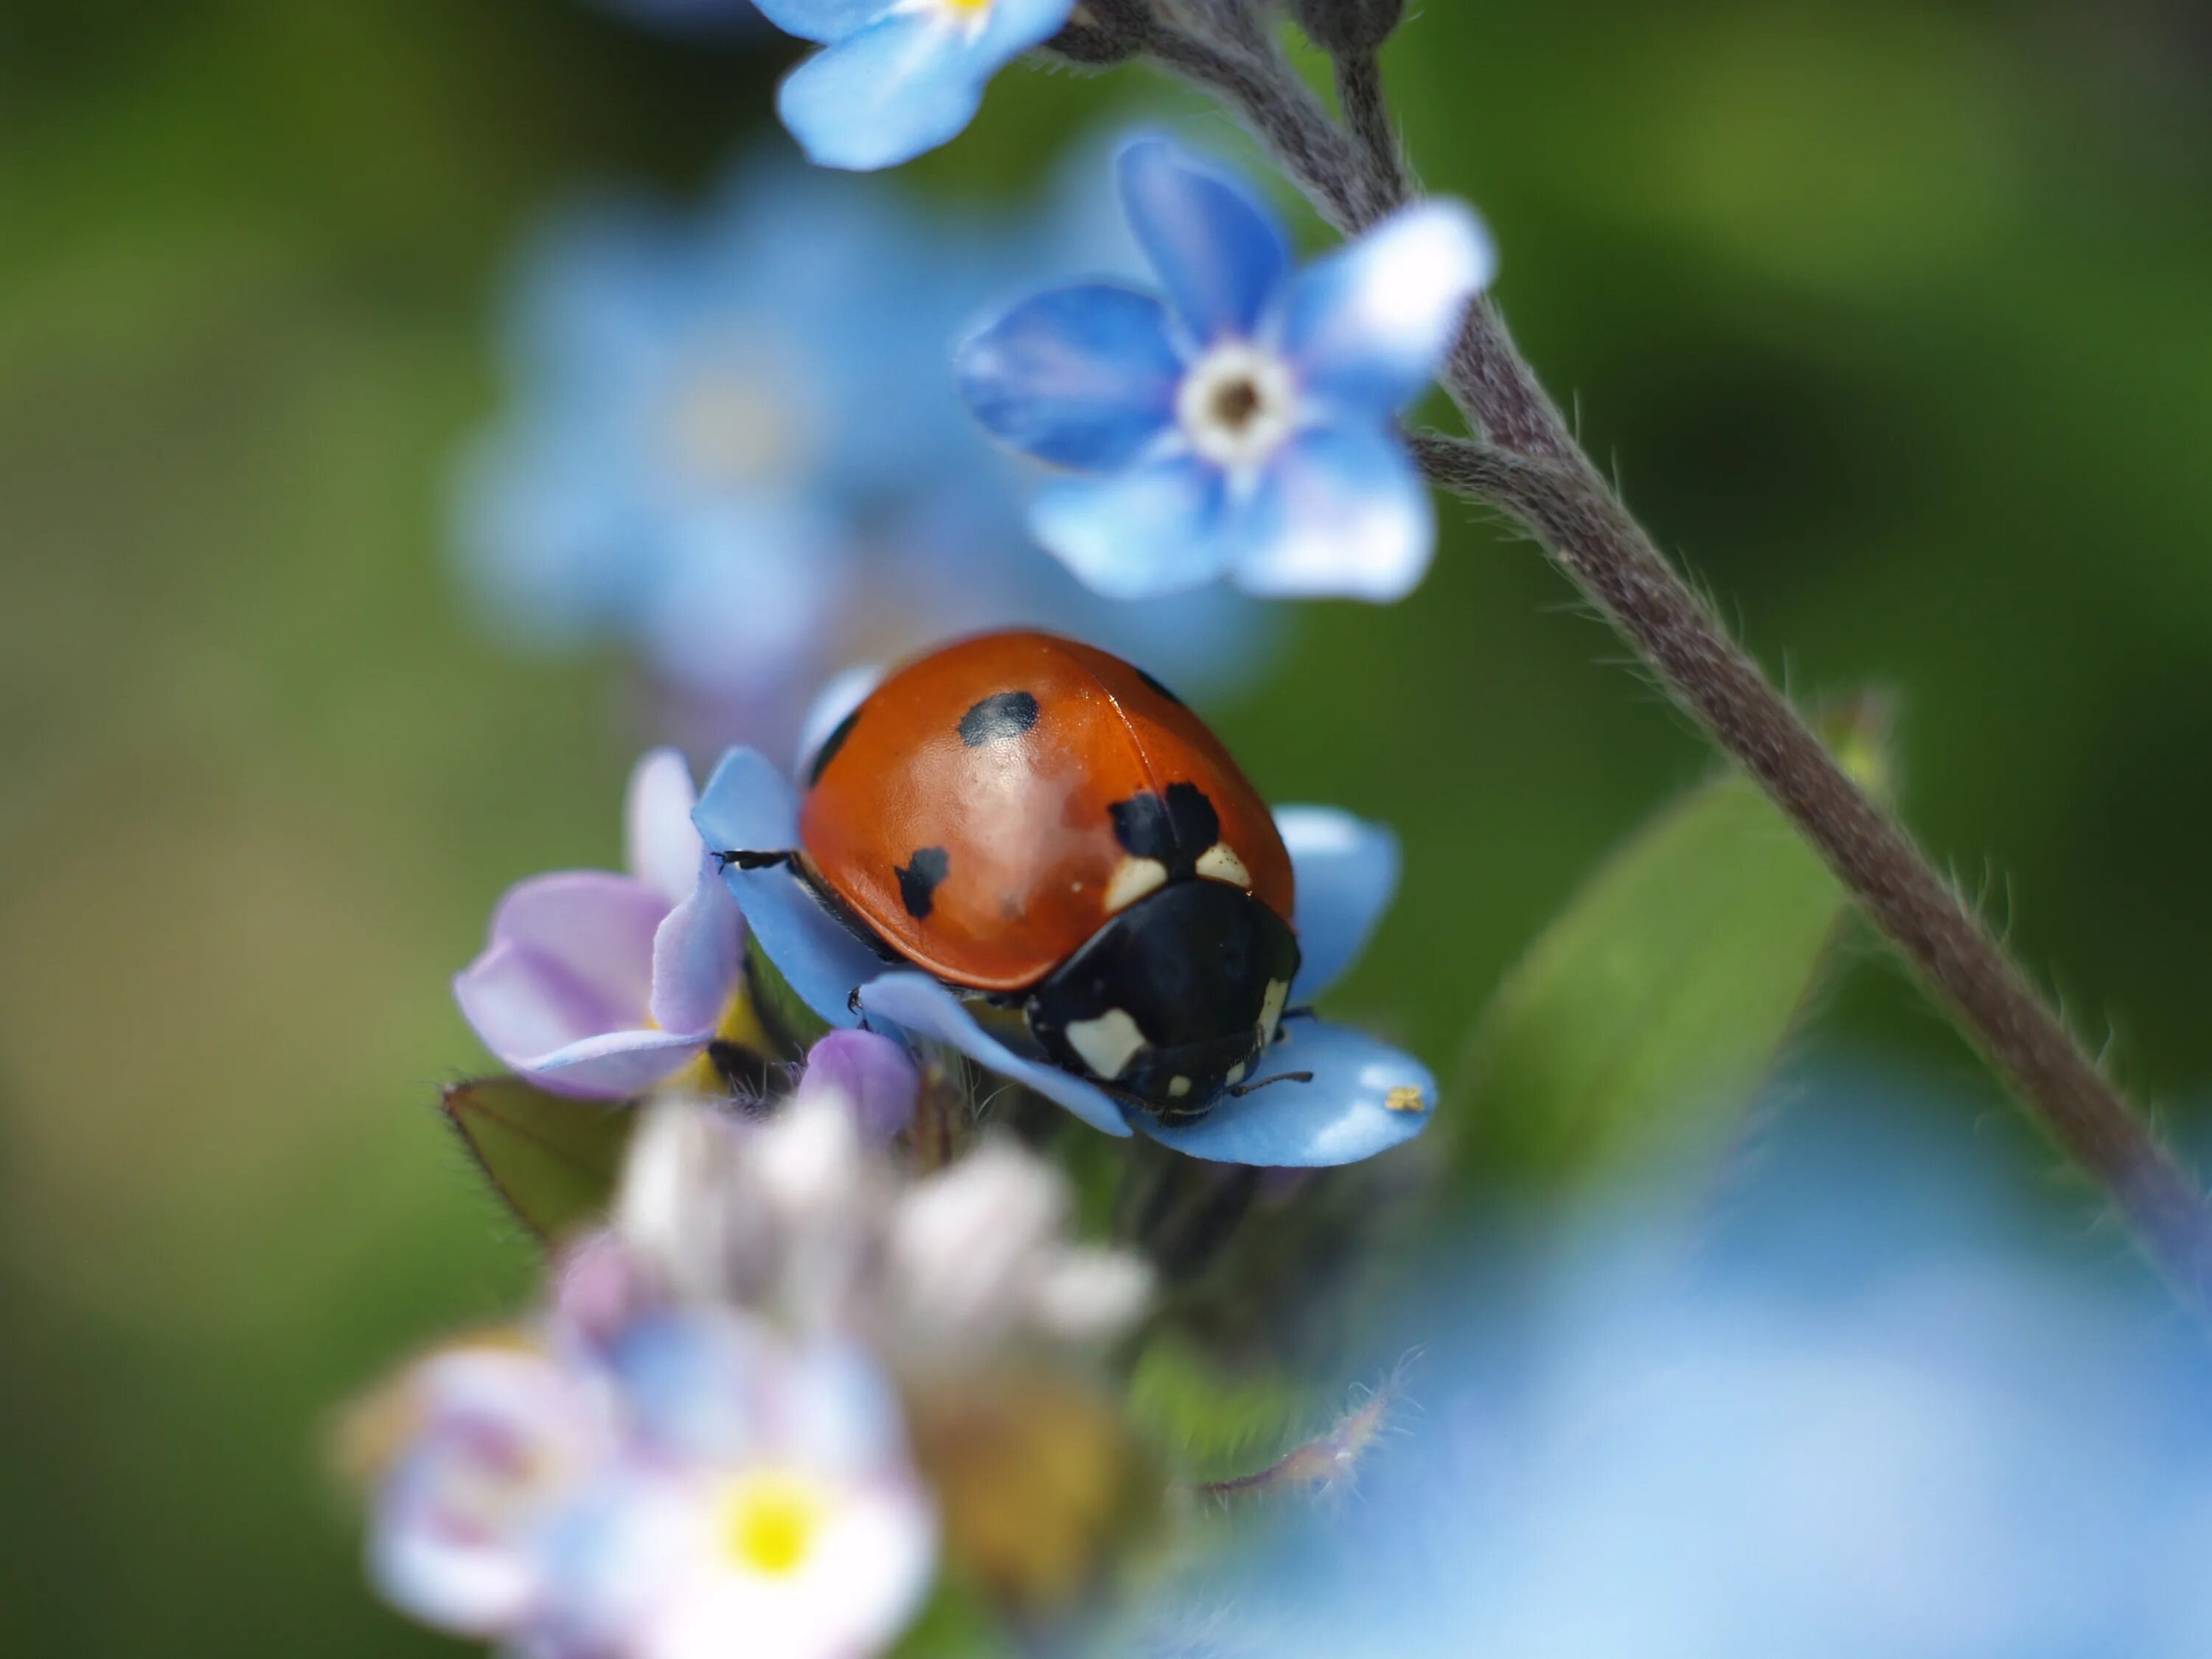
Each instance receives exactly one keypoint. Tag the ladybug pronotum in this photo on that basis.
(1044, 825)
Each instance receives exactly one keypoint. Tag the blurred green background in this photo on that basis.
(1896, 319)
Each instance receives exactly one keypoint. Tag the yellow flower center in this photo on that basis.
(972, 7)
(770, 1521)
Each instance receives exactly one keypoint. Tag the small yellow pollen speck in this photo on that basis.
(1405, 1098)
(968, 5)
(770, 1521)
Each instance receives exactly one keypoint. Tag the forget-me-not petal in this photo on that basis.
(1081, 377)
(1363, 1098)
(1346, 871)
(1219, 250)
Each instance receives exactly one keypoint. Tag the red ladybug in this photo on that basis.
(1042, 823)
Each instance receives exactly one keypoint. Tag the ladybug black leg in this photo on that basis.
(753, 860)
(853, 1007)
(1238, 1090)
(1307, 1012)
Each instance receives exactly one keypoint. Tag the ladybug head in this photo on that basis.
(1172, 1000)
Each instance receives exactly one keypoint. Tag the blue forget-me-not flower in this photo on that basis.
(896, 77)
(1243, 424)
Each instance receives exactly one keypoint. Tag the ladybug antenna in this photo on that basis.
(1238, 1090)
(753, 860)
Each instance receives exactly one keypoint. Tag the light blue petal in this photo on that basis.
(691, 1382)
(1081, 377)
(1219, 250)
(1341, 513)
(1139, 534)
(1347, 873)
(748, 806)
(823, 20)
(921, 1007)
(901, 86)
(1369, 326)
(1344, 1115)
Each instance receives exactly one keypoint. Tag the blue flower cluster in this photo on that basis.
(731, 444)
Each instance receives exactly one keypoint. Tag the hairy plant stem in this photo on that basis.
(1529, 464)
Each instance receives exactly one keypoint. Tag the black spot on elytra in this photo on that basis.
(830, 745)
(1176, 828)
(1156, 685)
(918, 879)
(999, 717)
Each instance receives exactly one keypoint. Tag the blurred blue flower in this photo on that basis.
(602, 985)
(1245, 426)
(896, 77)
(1361, 1098)
(1858, 1413)
(686, 1483)
(733, 446)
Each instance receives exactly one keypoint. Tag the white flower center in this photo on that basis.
(769, 1521)
(1237, 406)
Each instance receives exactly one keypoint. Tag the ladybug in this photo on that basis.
(1045, 826)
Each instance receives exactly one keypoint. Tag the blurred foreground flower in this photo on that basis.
(601, 984)
(751, 1408)
(896, 77)
(733, 446)
(1858, 1416)
(1245, 425)
(695, 1487)
(801, 1217)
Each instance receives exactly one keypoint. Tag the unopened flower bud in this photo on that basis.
(1341, 27)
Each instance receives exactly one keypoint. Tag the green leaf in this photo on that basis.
(1629, 1042)
(553, 1159)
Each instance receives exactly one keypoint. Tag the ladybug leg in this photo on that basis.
(1238, 1090)
(1307, 1012)
(745, 861)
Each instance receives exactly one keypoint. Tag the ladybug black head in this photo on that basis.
(1172, 1000)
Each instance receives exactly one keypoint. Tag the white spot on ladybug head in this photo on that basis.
(1219, 863)
(1178, 1086)
(1237, 1072)
(1108, 1043)
(1133, 879)
(1271, 1008)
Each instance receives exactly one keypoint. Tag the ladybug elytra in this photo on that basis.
(1043, 824)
